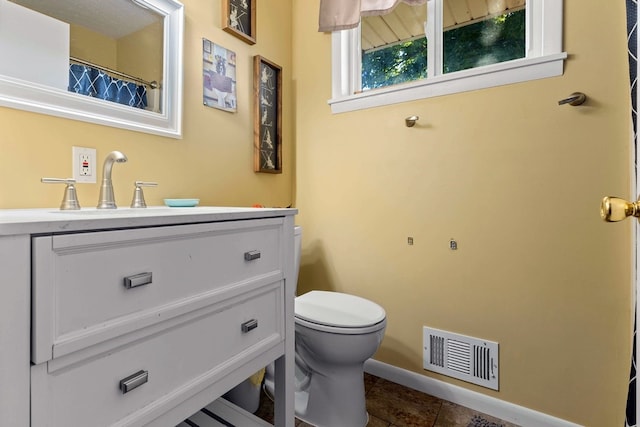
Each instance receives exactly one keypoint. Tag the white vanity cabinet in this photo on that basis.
(143, 320)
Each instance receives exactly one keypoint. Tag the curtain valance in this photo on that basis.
(345, 14)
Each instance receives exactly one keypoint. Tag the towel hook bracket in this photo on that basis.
(411, 121)
(576, 98)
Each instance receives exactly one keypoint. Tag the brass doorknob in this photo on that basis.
(614, 209)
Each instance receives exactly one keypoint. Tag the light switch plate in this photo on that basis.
(84, 164)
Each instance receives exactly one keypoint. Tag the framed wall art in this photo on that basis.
(267, 128)
(218, 77)
(239, 19)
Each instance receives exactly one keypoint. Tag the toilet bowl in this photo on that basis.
(335, 333)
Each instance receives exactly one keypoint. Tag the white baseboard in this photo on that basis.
(506, 411)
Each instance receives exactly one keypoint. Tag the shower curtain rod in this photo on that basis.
(152, 85)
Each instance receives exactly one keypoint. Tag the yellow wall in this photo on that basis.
(140, 53)
(93, 47)
(213, 161)
(509, 174)
(517, 181)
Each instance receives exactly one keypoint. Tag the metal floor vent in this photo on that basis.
(459, 356)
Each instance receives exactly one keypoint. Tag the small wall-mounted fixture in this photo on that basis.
(411, 121)
(576, 98)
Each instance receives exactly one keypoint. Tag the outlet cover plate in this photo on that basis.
(84, 164)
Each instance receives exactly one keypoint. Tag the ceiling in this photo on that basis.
(113, 18)
(407, 22)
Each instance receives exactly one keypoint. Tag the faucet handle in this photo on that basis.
(138, 195)
(70, 199)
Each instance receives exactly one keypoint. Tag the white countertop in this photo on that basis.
(37, 221)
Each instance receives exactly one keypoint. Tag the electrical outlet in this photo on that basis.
(84, 164)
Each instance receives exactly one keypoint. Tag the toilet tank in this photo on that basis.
(297, 246)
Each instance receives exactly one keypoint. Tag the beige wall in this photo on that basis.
(140, 54)
(93, 47)
(517, 181)
(214, 160)
(509, 174)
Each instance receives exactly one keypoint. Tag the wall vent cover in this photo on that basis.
(462, 357)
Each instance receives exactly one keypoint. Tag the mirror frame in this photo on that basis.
(28, 96)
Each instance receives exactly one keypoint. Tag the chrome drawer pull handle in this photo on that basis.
(137, 280)
(251, 255)
(133, 381)
(249, 325)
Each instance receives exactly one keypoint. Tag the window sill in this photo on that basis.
(516, 71)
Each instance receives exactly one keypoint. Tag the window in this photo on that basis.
(487, 43)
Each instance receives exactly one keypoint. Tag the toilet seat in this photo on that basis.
(337, 312)
(341, 330)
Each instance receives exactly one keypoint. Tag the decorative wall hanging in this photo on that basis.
(239, 19)
(219, 76)
(267, 89)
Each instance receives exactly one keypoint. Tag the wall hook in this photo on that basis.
(411, 121)
(576, 98)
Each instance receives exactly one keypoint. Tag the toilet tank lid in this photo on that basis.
(338, 309)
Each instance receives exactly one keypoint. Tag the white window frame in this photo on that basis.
(544, 58)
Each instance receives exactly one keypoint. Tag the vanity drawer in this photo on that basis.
(91, 287)
(178, 362)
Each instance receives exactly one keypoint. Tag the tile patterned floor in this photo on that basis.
(392, 405)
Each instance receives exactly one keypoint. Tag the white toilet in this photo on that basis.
(335, 334)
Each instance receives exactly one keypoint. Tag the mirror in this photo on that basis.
(57, 52)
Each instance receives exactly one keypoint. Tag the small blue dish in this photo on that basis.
(181, 203)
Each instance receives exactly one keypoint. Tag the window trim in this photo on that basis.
(544, 58)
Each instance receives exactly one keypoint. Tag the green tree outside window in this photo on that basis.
(498, 39)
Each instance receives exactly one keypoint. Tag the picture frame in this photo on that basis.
(267, 128)
(239, 19)
(218, 77)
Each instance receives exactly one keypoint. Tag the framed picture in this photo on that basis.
(218, 77)
(239, 19)
(267, 127)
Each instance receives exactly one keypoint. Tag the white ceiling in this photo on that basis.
(113, 18)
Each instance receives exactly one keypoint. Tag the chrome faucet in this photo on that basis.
(106, 200)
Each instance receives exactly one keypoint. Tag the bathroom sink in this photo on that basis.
(135, 214)
(150, 211)
(113, 212)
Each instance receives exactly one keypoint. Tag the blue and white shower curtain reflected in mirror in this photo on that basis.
(98, 84)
